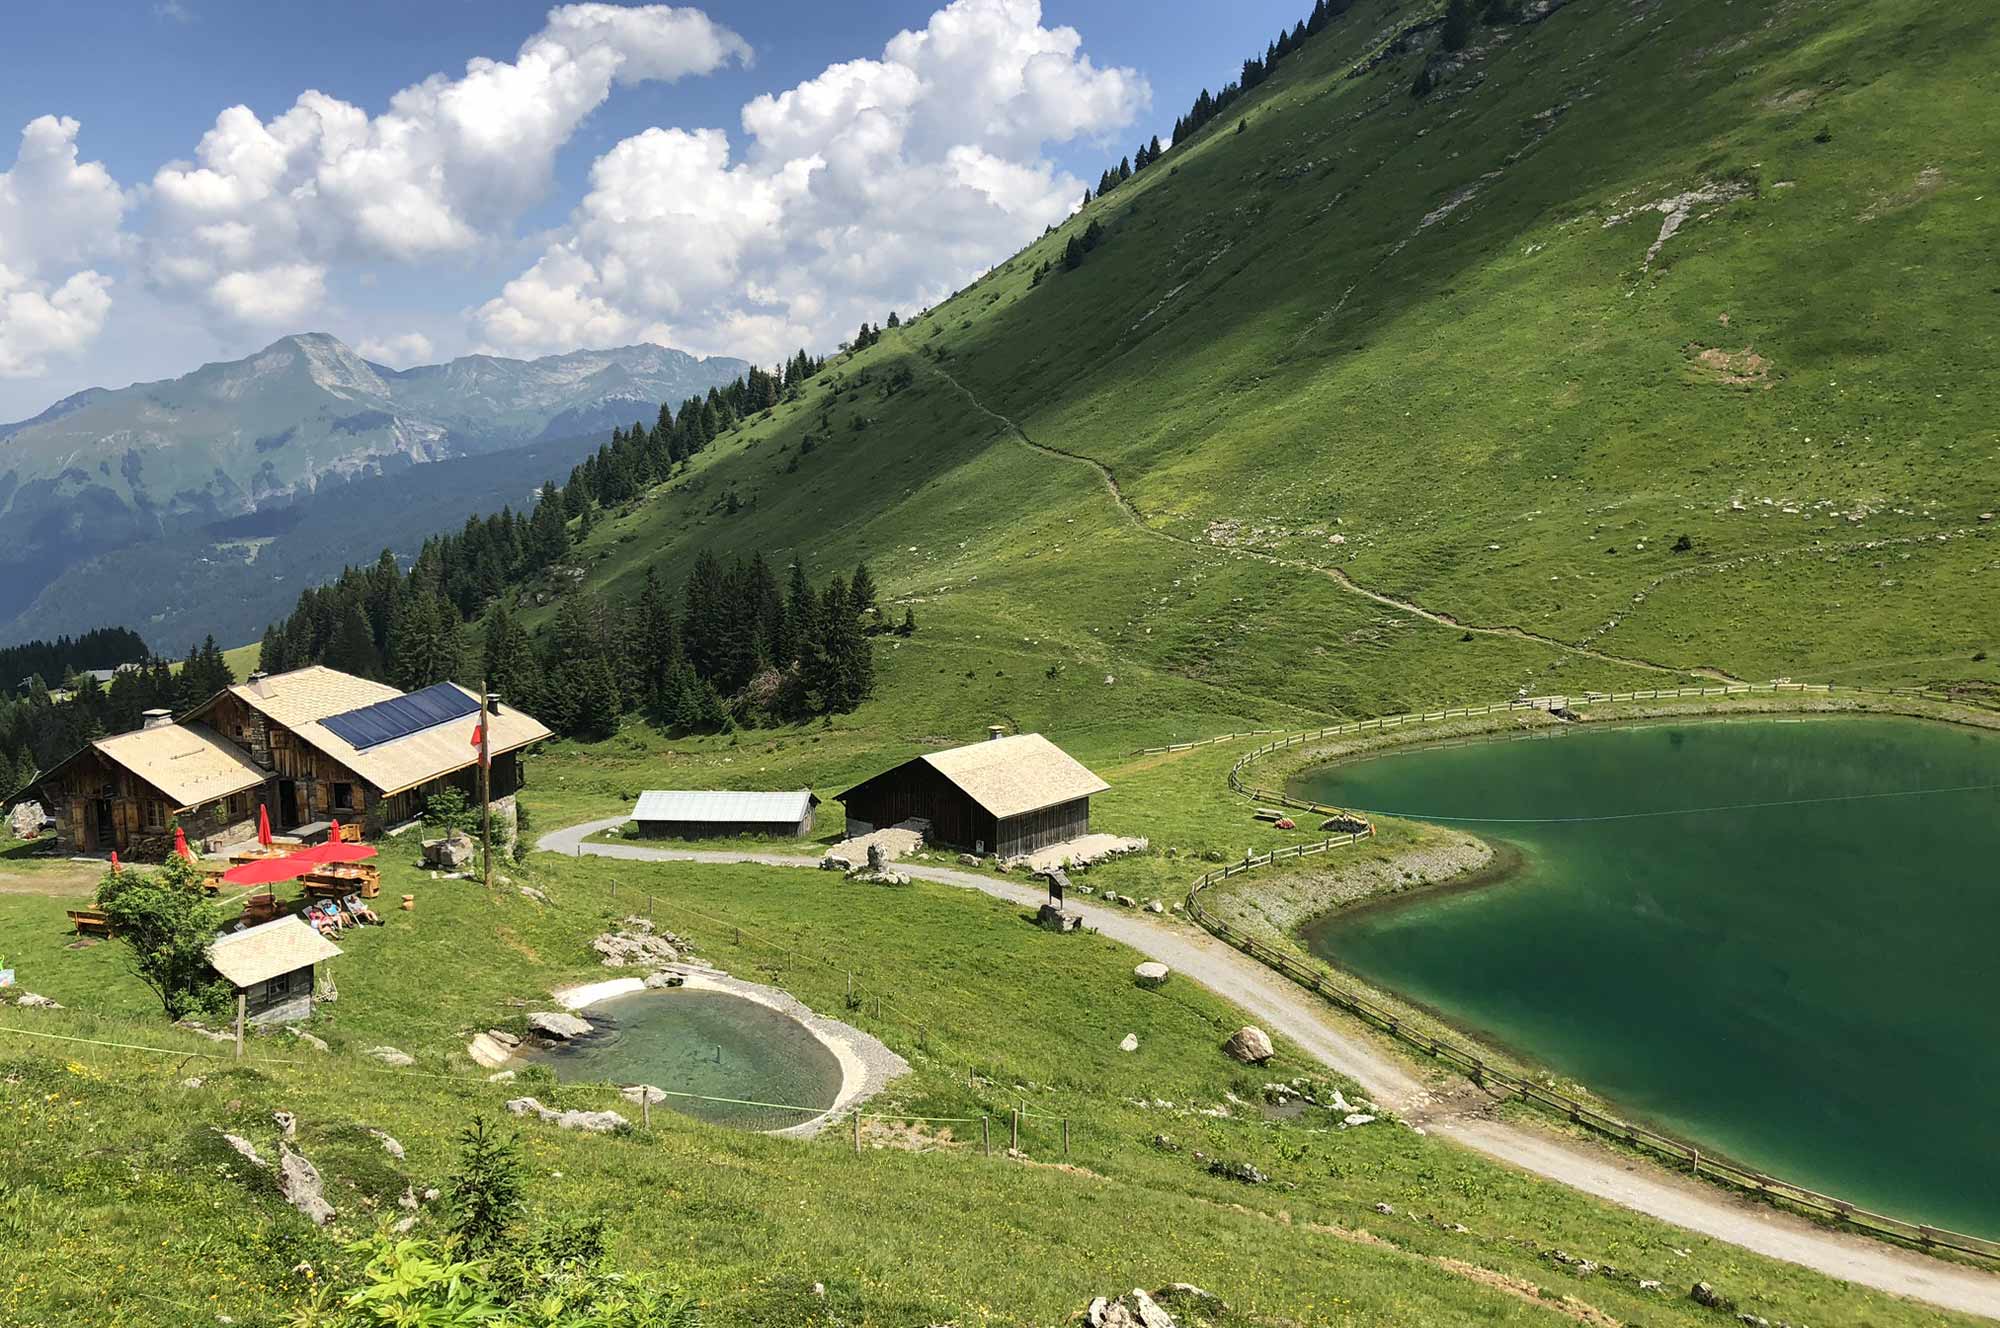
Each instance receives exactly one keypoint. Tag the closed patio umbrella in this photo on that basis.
(181, 844)
(263, 825)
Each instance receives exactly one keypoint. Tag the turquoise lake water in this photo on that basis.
(1773, 938)
(705, 1042)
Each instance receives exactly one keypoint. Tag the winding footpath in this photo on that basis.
(1284, 1008)
(1334, 574)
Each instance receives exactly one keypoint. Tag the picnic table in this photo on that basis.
(312, 832)
(90, 921)
(332, 880)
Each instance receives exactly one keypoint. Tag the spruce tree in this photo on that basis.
(861, 592)
(353, 647)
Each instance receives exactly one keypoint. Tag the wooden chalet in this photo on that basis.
(311, 745)
(1006, 796)
(128, 792)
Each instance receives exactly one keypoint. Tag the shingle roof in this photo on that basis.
(257, 953)
(187, 762)
(1014, 776)
(722, 805)
(299, 700)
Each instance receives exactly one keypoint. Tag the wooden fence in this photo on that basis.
(1474, 1066)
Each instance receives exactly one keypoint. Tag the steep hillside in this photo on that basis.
(108, 469)
(1651, 340)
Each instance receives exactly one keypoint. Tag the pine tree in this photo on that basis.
(353, 647)
(505, 659)
(861, 592)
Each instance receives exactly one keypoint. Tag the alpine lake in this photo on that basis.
(1775, 938)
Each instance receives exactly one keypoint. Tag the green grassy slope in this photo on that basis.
(119, 1203)
(1420, 344)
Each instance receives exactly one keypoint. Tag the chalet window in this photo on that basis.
(343, 796)
(156, 815)
(280, 985)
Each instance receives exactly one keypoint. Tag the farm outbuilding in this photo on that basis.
(1006, 796)
(271, 967)
(705, 813)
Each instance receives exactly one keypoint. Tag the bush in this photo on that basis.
(168, 924)
(448, 810)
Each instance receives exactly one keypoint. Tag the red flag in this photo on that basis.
(478, 734)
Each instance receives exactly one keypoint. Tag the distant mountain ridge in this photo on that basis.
(108, 468)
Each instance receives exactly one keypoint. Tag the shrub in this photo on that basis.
(167, 923)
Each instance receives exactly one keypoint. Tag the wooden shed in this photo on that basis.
(1006, 796)
(271, 967)
(703, 813)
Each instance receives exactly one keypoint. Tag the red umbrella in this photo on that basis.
(333, 850)
(181, 844)
(264, 871)
(263, 825)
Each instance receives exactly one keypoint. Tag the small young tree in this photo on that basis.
(167, 924)
(483, 1195)
(909, 627)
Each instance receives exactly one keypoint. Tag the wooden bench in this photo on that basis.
(90, 922)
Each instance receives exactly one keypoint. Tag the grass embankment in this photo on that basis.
(121, 1204)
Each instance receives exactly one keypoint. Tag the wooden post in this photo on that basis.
(857, 1131)
(485, 792)
(1014, 1142)
(986, 1134)
(239, 1025)
(646, 1104)
(1065, 1136)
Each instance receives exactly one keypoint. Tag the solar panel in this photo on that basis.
(400, 716)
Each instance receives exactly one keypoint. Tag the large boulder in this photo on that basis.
(451, 853)
(27, 819)
(561, 1027)
(390, 1056)
(1053, 917)
(633, 947)
(1249, 1044)
(299, 1181)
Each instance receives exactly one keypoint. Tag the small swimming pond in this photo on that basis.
(1773, 937)
(713, 1043)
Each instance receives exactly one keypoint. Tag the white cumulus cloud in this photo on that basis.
(399, 351)
(874, 184)
(57, 216)
(266, 207)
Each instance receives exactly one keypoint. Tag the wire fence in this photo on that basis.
(1471, 1063)
(1553, 703)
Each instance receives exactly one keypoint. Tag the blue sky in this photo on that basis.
(567, 195)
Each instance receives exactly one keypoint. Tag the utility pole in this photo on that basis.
(485, 791)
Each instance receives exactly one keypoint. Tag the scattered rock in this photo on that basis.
(299, 1181)
(192, 1081)
(288, 1124)
(501, 1077)
(637, 945)
(31, 1001)
(1250, 1045)
(388, 1142)
(594, 1122)
(307, 1038)
(1386, 1210)
(561, 1027)
(659, 978)
(530, 892)
(1130, 1042)
(967, 860)
(247, 1149)
(1356, 1118)
(1151, 975)
(1649, 1284)
(1155, 906)
(1053, 917)
(1237, 1171)
(642, 1093)
(488, 1050)
(390, 1056)
(1134, 1309)
(1704, 1294)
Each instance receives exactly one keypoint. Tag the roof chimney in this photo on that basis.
(257, 682)
(994, 733)
(493, 703)
(158, 719)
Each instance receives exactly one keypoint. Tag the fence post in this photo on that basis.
(239, 1024)
(1065, 1136)
(646, 1104)
(857, 1131)
(986, 1134)
(1014, 1139)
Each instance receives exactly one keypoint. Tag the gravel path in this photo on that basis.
(1284, 1008)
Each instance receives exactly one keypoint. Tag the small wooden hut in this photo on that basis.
(271, 967)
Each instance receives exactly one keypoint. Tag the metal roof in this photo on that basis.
(399, 716)
(1012, 776)
(254, 954)
(722, 805)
